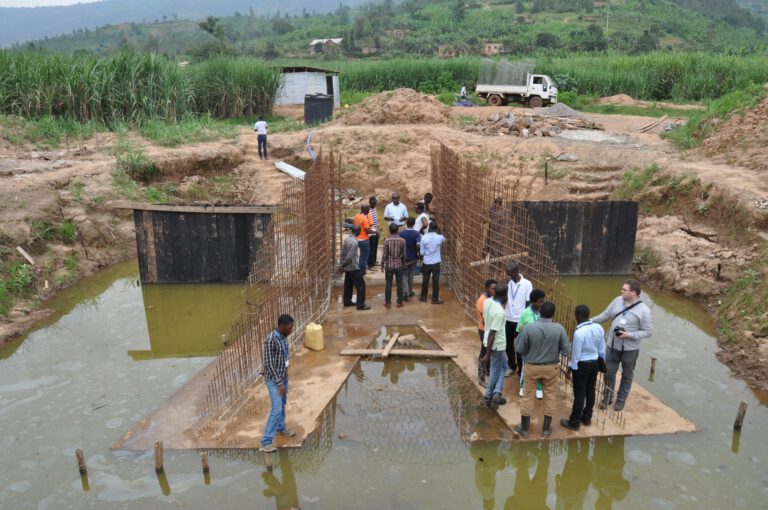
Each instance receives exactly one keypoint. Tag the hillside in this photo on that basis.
(429, 28)
(25, 24)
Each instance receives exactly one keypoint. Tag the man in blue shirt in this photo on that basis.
(588, 346)
(412, 240)
(430, 250)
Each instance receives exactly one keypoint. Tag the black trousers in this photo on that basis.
(514, 359)
(432, 270)
(584, 380)
(482, 369)
(354, 278)
(373, 255)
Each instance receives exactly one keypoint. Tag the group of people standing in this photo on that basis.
(519, 336)
(412, 243)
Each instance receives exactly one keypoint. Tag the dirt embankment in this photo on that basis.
(57, 206)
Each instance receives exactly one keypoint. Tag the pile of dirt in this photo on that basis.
(742, 140)
(525, 126)
(402, 106)
(619, 99)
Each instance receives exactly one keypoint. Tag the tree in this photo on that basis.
(280, 26)
(458, 10)
(547, 40)
(519, 7)
(211, 25)
(646, 42)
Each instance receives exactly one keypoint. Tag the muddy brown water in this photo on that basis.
(397, 435)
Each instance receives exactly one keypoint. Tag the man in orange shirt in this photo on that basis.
(363, 239)
(482, 370)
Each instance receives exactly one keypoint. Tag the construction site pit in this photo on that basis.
(399, 433)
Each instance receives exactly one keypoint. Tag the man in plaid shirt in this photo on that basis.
(276, 377)
(392, 263)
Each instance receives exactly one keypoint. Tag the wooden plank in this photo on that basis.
(203, 209)
(412, 353)
(25, 255)
(150, 249)
(497, 259)
(390, 345)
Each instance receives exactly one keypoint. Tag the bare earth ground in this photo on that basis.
(384, 145)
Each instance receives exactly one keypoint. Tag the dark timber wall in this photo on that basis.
(588, 238)
(186, 244)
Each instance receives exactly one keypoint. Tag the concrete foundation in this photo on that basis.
(315, 377)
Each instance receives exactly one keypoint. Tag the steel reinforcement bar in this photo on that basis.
(291, 274)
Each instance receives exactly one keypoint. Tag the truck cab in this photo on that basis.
(538, 90)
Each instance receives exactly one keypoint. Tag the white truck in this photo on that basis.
(539, 90)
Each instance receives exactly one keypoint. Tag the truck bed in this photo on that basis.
(501, 89)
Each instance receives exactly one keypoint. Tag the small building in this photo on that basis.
(325, 45)
(298, 81)
(493, 48)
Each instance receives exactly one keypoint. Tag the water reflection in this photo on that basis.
(608, 464)
(186, 320)
(572, 485)
(530, 491)
(284, 491)
(489, 459)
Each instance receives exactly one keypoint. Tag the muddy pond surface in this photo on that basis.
(395, 437)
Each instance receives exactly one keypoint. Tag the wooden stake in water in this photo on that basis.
(653, 369)
(158, 456)
(81, 462)
(268, 461)
(206, 469)
(740, 416)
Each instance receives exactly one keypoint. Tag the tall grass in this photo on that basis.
(653, 76)
(232, 87)
(131, 87)
(123, 88)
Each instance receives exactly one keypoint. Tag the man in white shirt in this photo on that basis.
(396, 212)
(518, 297)
(261, 135)
(422, 219)
(430, 250)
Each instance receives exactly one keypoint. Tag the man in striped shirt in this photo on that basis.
(392, 263)
(276, 378)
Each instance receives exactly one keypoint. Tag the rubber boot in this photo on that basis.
(547, 430)
(522, 429)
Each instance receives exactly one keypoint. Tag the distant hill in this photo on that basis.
(25, 24)
(443, 28)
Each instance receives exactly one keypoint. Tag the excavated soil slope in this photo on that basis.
(742, 140)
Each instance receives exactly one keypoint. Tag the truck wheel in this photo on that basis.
(535, 102)
(495, 100)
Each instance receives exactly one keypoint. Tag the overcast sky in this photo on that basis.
(40, 3)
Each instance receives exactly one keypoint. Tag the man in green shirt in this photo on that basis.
(495, 342)
(531, 314)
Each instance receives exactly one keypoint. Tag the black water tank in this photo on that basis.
(317, 108)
